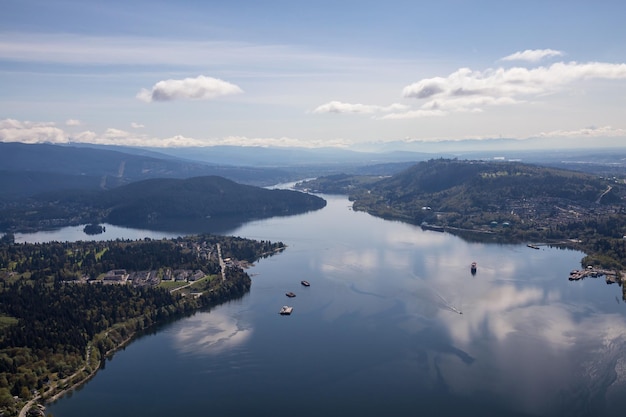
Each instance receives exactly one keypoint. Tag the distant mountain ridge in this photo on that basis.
(26, 170)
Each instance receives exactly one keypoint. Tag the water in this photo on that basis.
(379, 332)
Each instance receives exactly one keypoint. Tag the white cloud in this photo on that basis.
(340, 107)
(100, 50)
(468, 90)
(30, 132)
(136, 125)
(12, 130)
(592, 131)
(199, 88)
(243, 57)
(414, 114)
(532, 55)
(73, 122)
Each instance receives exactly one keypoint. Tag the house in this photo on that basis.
(116, 276)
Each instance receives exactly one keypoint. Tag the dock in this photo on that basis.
(611, 276)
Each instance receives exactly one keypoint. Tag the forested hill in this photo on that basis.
(471, 194)
(482, 183)
(200, 197)
(156, 202)
(508, 201)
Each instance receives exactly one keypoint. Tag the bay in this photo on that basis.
(379, 332)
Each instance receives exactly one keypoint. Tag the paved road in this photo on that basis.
(28, 405)
(222, 263)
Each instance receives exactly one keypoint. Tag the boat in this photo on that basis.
(290, 294)
(532, 246)
(286, 310)
(305, 283)
(473, 267)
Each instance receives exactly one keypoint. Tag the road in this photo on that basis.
(222, 263)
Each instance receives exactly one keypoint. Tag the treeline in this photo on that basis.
(67, 261)
(238, 247)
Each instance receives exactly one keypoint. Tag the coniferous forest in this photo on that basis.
(60, 315)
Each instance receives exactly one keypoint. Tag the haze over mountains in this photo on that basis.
(27, 170)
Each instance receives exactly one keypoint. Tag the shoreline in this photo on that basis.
(54, 396)
(57, 396)
(43, 401)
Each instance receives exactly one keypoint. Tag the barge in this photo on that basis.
(286, 310)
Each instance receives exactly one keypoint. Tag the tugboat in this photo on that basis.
(473, 268)
(290, 294)
(305, 283)
(285, 310)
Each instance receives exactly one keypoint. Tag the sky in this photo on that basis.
(338, 73)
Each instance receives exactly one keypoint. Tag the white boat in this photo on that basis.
(286, 310)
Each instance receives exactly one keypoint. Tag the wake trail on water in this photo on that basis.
(439, 300)
(447, 304)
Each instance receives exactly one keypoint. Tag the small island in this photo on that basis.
(94, 229)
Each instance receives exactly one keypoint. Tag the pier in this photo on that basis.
(611, 276)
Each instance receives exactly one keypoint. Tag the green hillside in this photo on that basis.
(500, 201)
(156, 202)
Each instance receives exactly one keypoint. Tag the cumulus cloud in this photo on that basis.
(119, 137)
(199, 88)
(30, 132)
(73, 122)
(532, 55)
(466, 90)
(136, 125)
(340, 107)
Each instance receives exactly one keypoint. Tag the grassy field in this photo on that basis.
(6, 321)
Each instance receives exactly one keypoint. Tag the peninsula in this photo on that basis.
(65, 307)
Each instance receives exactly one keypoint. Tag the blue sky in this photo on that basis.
(324, 73)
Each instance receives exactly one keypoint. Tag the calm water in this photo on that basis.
(378, 332)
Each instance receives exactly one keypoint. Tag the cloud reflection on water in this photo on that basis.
(211, 333)
(533, 346)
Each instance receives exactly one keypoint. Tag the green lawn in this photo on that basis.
(6, 321)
